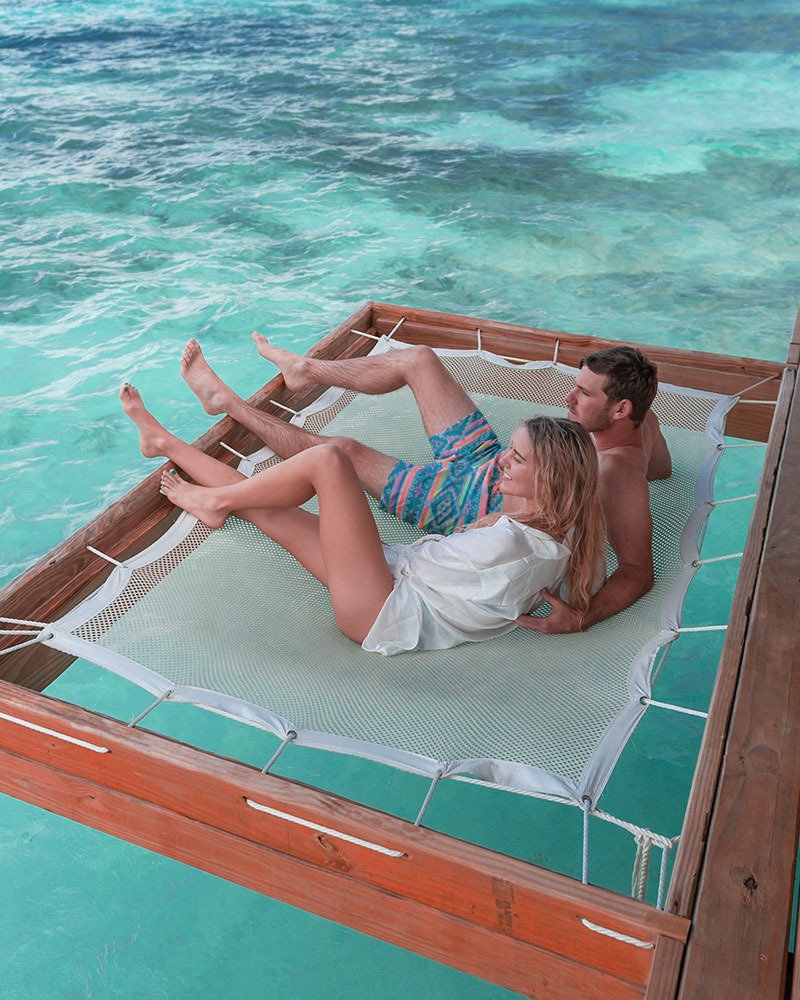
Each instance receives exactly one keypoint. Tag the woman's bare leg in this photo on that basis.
(156, 441)
(341, 547)
(355, 569)
(373, 467)
(296, 530)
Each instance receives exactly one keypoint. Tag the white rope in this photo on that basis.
(674, 708)
(524, 361)
(746, 444)
(702, 628)
(657, 838)
(480, 347)
(662, 879)
(625, 938)
(39, 637)
(97, 552)
(51, 732)
(282, 407)
(640, 867)
(747, 496)
(22, 621)
(666, 649)
(585, 862)
(233, 451)
(291, 735)
(379, 848)
(434, 783)
(150, 708)
(396, 327)
(713, 559)
(756, 402)
(755, 385)
(389, 335)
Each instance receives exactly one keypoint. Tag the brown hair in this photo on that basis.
(629, 375)
(566, 501)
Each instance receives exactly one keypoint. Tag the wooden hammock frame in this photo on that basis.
(725, 929)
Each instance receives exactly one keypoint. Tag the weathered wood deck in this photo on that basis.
(725, 929)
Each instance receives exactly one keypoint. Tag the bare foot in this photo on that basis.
(294, 367)
(204, 382)
(200, 501)
(152, 435)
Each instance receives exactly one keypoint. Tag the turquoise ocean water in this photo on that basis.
(172, 168)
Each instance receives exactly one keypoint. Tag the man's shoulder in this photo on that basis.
(624, 464)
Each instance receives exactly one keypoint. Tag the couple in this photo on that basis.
(528, 525)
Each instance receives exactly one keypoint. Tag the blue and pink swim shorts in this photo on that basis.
(457, 488)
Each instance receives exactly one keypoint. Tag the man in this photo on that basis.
(612, 395)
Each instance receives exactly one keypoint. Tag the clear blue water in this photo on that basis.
(189, 168)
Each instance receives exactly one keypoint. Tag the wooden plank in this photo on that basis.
(412, 926)
(463, 328)
(725, 374)
(488, 914)
(742, 913)
(665, 970)
(794, 347)
(692, 845)
(65, 576)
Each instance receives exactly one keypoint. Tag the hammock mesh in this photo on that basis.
(228, 620)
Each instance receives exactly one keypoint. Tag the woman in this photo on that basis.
(438, 591)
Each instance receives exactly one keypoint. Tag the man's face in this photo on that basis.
(587, 403)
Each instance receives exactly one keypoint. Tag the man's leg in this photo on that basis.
(372, 466)
(440, 399)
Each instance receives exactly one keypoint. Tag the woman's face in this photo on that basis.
(518, 466)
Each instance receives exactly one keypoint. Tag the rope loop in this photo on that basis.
(641, 866)
(607, 932)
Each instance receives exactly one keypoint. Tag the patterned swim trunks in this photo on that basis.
(457, 488)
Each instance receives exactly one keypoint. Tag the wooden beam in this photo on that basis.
(664, 974)
(485, 913)
(794, 347)
(693, 842)
(742, 914)
(721, 373)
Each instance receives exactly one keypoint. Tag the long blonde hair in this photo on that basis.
(565, 503)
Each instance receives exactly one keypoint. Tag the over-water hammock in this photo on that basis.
(229, 621)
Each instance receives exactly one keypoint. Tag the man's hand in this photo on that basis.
(562, 617)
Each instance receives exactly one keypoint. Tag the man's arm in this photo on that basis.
(629, 526)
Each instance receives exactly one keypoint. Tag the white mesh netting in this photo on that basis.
(230, 621)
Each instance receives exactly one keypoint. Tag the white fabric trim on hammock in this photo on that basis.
(544, 714)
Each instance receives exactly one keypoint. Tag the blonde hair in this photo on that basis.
(565, 502)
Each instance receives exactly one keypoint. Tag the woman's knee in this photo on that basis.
(348, 447)
(335, 456)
